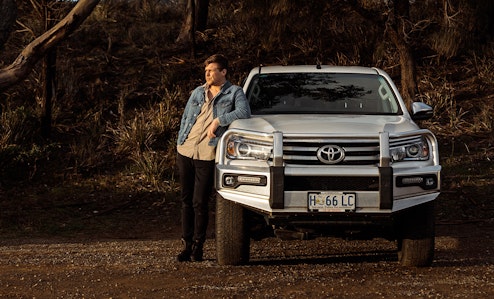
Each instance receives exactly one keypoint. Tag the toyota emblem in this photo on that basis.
(330, 154)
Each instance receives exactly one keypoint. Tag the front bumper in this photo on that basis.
(275, 200)
(276, 189)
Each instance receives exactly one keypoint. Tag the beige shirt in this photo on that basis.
(196, 145)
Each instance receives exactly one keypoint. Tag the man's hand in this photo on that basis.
(212, 128)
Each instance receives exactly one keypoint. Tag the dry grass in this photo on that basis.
(148, 140)
(463, 106)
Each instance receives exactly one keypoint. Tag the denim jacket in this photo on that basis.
(230, 104)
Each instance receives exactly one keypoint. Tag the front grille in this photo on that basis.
(307, 183)
(304, 152)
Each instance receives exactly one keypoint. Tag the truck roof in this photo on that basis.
(314, 69)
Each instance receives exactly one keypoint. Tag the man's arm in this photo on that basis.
(242, 109)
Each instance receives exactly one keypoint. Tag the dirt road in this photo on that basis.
(321, 268)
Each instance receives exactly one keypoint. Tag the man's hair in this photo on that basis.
(219, 59)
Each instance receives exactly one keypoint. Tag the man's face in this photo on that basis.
(214, 76)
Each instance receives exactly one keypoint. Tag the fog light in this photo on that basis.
(229, 181)
(430, 182)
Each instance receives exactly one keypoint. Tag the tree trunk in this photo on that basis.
(183, 36)
(395, 28)
(38, 48)
(408, 72)
(202, 10)
(192, 33)
(8, 14)
(196, 17)
(49, 92)
(49, 77)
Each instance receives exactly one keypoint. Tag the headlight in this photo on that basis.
(416, 149)
(244, 148)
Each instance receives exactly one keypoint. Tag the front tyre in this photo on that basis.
(232, 238)
(416, 236)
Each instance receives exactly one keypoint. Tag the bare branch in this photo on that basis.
(26, 29)
(37, 7)
(37, 49)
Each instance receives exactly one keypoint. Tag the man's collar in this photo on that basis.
(227, 83)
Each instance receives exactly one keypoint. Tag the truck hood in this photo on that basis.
(325, 124)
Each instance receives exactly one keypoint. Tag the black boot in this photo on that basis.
(184, 256)
(197, 252)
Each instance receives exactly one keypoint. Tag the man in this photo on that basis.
(208, 112)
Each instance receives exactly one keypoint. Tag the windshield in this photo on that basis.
(316, 93)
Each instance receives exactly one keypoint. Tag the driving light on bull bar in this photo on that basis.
(234, 180)
(412, 181)
(249, 179)
(426, 182)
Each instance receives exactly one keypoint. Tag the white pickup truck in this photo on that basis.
(329, 151)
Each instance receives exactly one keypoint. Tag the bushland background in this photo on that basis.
(101, 163)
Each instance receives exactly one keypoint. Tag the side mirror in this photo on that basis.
(421, 111)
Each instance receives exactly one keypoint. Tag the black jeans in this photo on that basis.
(196, 181)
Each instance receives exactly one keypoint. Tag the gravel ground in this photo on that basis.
(320, 268)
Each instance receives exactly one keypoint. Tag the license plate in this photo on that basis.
(331, 201)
